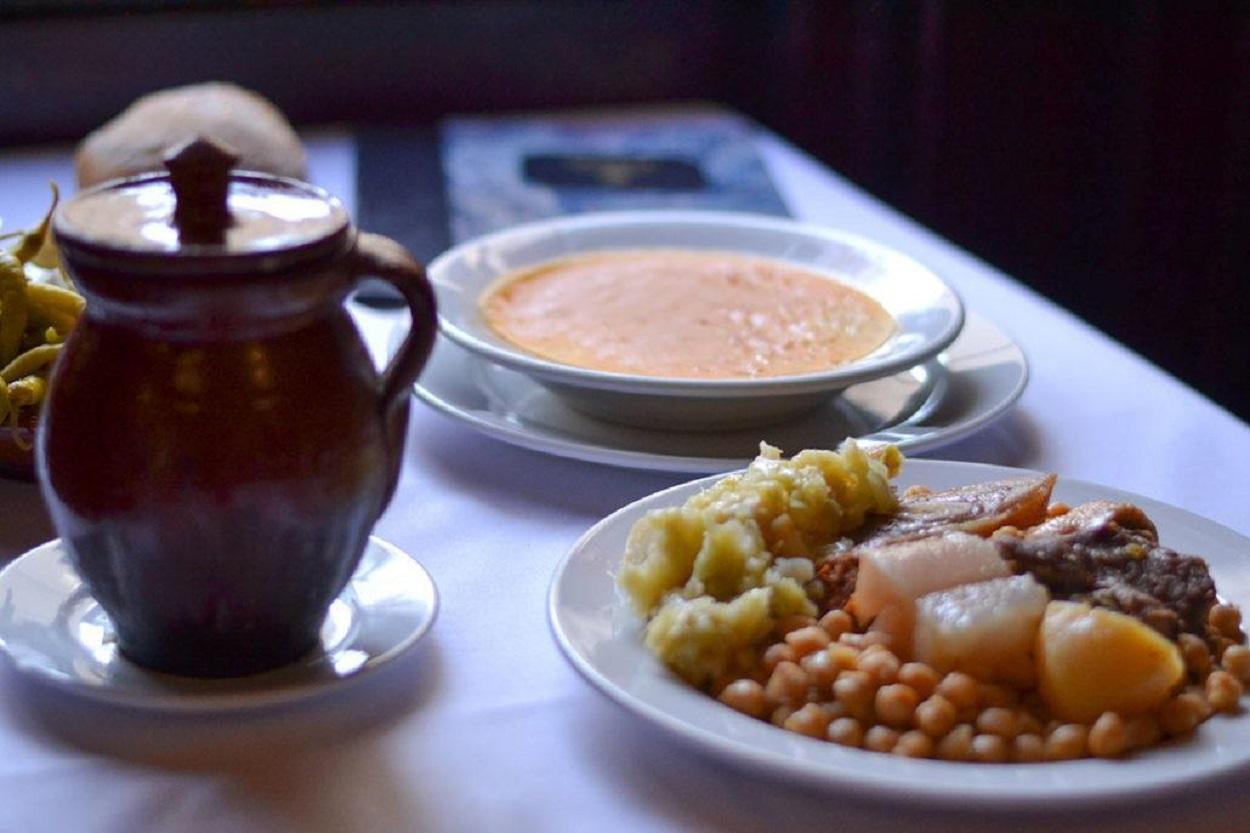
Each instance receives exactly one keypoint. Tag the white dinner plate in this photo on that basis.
(602, 638)
(927, 313)
(53, 631)
(968, 386)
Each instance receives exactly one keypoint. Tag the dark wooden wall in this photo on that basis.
(1098, 151)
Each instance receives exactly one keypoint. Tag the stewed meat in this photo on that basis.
(978, 509)
(1108, 554)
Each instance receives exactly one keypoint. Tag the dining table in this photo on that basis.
(484, 726)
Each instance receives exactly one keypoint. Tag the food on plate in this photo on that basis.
(984, 628)
(892, 578)
(137, 140)
(983, 623)
(1109, 554)
(759, 530)
(977, 509)
(685, 314)
(38, 308)
(1091, 660)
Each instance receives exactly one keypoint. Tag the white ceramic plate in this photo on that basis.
(969, 385)
(54, 631)
(928, 313)
(602, 639)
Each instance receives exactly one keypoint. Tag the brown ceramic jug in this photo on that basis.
(216, 444)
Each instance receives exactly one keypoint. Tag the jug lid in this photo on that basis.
(201, 211)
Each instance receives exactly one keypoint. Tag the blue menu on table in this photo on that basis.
(500, 172)
(432, 188)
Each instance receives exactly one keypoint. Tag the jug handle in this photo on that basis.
(382, 257)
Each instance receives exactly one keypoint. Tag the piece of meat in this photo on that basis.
(838, 571)
(1108, 554)
(978, 509)
(1098, 513)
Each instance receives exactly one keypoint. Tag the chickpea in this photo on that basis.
(1182, 713)
(990, 749)
(920, 677)
(1199, 691)
(787, 625)
(1143, 731)
(881, 665)
(1000, 721)
(1108, 737)
(746, 696)
(846, 731)
(1028, 748)
(788, 684)
(855, 691)
(1236, 661)
(1219, 644)
(1226, 619)
(895, 704)
(807, 640)
(881, 739)
(1067, 742)
(820, 668)
(914, 744)
(1223, 691)
(844, 657)
(957, 744)
(1194, 652)
(776, 654)
(935, 716)
(781, 714)
(810, 720)
(836, 623)
(960, 689)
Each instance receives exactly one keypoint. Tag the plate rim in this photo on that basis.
(224, 701)
(775, 764)
(573, 449)
(854, 372)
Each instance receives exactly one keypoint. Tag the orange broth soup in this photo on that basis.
(685, 314)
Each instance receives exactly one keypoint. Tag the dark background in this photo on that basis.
(1100, 152)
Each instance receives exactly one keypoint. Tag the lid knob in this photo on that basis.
(199, 171)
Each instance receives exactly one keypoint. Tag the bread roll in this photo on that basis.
(136, 140)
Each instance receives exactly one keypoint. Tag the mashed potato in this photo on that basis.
(714, 575)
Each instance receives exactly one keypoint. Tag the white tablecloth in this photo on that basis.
(484, 727)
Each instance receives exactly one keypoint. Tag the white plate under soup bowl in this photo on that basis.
(928, 314)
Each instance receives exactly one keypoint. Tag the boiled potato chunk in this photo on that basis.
(987, 629)
(1091, 660)
(905, 572)
(893, 576)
